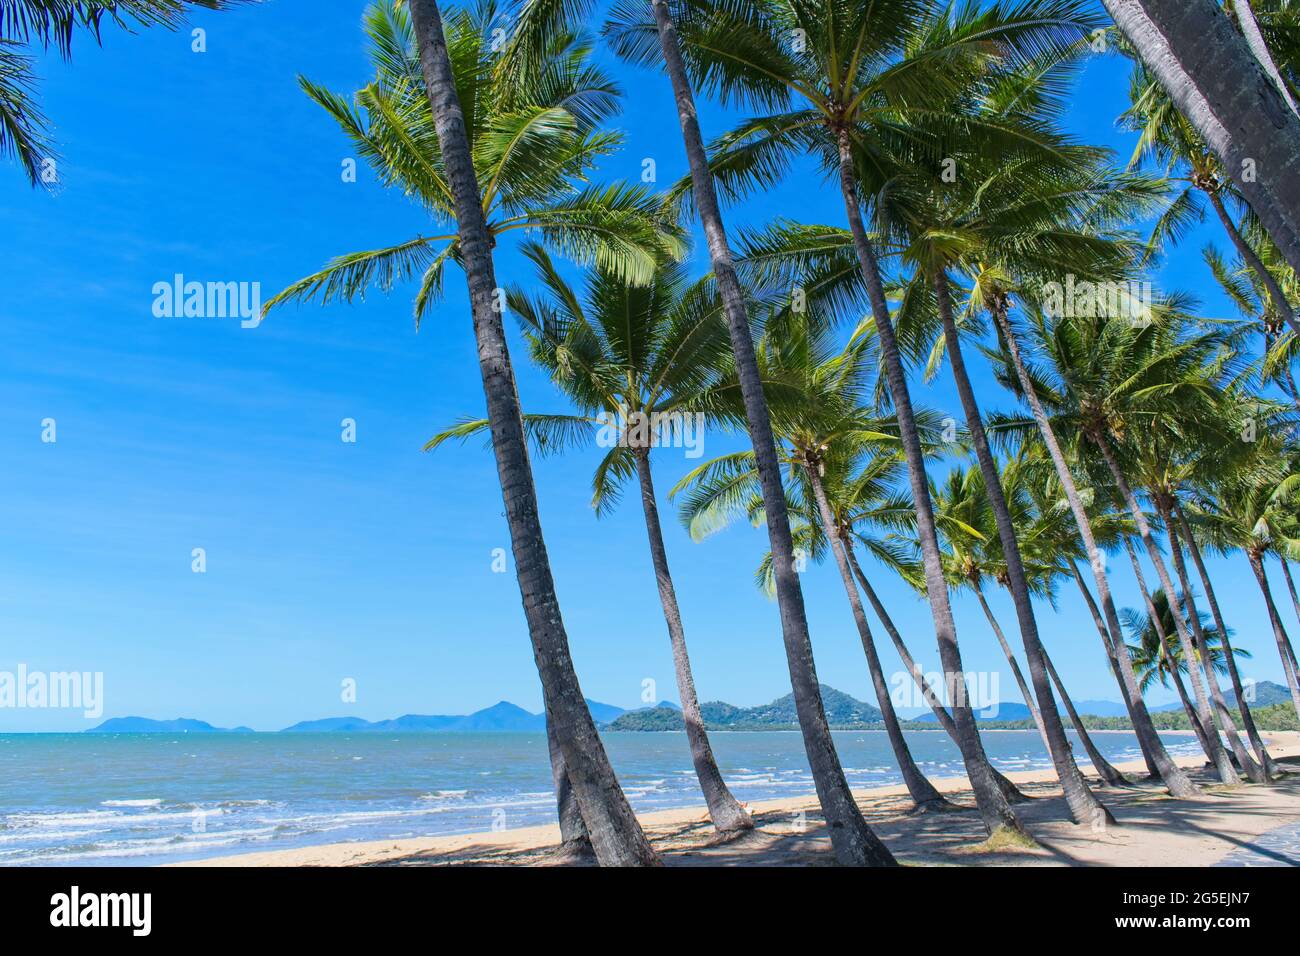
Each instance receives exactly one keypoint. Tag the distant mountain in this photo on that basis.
(603, 713)
(501, 716)
(1266, 694)
(841, 711)
(1101, 708)
(1004, 710)
(143, 725)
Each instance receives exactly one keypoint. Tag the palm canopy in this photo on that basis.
(627, 356)
(1155, 663)
(52, 24)
(1256, 513)
(820, 72)
(826, 423)
(531, 113)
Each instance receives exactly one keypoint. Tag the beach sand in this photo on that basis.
(1154, 829)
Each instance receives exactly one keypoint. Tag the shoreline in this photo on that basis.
(1155, 828)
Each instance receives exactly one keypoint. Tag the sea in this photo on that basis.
(143, 799)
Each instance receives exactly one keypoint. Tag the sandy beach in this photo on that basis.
(1153, 830)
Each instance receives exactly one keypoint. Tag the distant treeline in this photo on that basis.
(1274, 717)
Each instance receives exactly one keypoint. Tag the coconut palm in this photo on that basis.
(837, 453)
(1159, 659)
(1114, 381)
(533, 139)
(1210, 74)
(1242, 286)
(1166, 139)
(837, 80)
(853, 840)
(523, 147)
(1167, 464)
(52, 25)
(631, 359)
(1256, 515)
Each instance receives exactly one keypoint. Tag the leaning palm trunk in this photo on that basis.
(853, 840)
(1211, 76)
(616, 835)
(1109, 775)
(1100, 624)
(1153, 748)
(1247, 718)
(1009, 789)
(1221, 713)
(1256, 264)
(1083, 803)
(1218, 756)
(1290, 586)
(994, 808)
(1279, 632)
(1162, 636)
(574, 839)
(1259, 49)
(1025, 692)
(922, 791)
(725, 812)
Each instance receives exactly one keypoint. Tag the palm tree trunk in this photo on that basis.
(1290, 586)
(1209, 72)
(1295, 604)
(1025, 692)
(1153, 748)
(854, 842)
(1218, 755)
(1247, 718)
(1009, 789)
(923, 793)
(1083, 803)
(1163, 636)
(1223, 718)
(1259, 49)
(1100, 624)
(574, 839)
(725, 812)
(1249, 257)
(995, 810)
(1109, 775)
(615, 833)
(1279, 632)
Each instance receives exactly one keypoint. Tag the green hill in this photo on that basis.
(842, 711)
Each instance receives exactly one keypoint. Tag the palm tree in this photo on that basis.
(853, 840)
(533, 138)
(411, 53)
(632, 359)
(837, 453)
(843, 90)
(1167, 139)
(1119, 381)
(52, 24)
(1163, 625)
(1208, 70)
(1188, 537)
(1256, 516)
(1160, 659)
(1242, 285)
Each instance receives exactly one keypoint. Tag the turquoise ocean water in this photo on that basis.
(149, 798)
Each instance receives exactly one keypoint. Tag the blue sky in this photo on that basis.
(370, 561)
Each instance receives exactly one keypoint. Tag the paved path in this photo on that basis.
(1277, 847)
